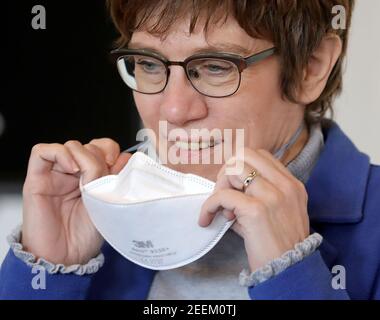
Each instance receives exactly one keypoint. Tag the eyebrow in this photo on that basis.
(220, 47)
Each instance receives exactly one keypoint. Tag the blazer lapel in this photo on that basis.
(338, 182)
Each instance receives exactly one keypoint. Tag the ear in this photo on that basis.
(319, 68)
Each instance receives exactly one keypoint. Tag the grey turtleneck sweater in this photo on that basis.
(216, 275)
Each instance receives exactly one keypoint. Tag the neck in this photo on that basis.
(293, 152)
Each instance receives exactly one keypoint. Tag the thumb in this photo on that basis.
(120, 163)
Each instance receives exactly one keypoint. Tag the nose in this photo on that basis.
(181, 103)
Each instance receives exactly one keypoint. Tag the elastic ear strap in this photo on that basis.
(136, 147)
(280, 152)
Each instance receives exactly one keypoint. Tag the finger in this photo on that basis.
(97, 153)
(45, 157)
(120, 163)
(230, 181)
(260, 188)
(58, 168)
(223, 199)
(289, 182)
(109, 148)
(228, 214)
(237, 228)
(90, 167)
(92, 148)
(264, 167)
(264, 191)
(277, 163)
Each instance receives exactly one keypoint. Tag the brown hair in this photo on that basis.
(296, 28)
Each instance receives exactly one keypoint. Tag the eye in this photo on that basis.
(216, 68)
(150, 66)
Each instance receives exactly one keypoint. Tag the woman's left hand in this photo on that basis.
(271, 215)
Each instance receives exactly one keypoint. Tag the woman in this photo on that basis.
(306, 224)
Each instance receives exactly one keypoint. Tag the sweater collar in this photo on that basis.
(338, 181)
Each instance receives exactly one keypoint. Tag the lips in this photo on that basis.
(194, 146)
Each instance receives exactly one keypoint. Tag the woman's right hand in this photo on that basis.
(56, 225)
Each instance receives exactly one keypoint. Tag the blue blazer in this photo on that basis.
(344, 206)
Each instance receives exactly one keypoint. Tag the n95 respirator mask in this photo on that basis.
(149, 214)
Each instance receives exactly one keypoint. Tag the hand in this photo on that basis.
(56, 225)
(271, 215)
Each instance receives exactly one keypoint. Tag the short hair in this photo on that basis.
(296, 28)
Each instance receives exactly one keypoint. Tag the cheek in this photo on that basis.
(148, 107)
(261, 85)
(259, 97)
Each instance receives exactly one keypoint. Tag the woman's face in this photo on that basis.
(257, 107)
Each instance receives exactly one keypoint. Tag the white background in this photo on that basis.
(357, 110)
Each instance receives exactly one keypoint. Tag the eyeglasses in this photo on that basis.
(215, 75)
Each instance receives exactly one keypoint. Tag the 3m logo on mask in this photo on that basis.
(143, 244)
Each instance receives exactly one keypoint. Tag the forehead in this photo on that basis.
(225, 36)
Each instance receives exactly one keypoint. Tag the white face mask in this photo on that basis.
(149, 213)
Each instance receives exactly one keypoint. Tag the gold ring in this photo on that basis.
(248, 180)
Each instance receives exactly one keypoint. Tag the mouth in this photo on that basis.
(195, 146)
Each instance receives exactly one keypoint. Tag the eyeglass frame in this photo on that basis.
(240, 62)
